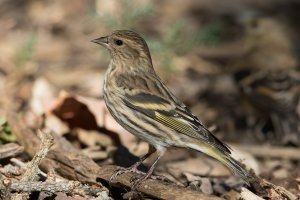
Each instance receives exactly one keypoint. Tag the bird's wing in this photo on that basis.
(162, 106)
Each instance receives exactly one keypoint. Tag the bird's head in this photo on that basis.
(125, 45)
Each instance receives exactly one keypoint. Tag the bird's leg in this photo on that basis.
(149, 173)
(134, 167)
(278, 128)
(290, 131)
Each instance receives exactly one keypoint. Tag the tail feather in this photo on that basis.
(225, 158)
(237, 169)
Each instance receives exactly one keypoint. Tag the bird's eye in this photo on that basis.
(119, 42)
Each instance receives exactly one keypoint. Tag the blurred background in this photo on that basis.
(234, 63)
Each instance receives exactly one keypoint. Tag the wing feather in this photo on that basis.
(171, 113)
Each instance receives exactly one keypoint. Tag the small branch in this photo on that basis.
(10, 150)
(22, 166)
(247, 194)
(280, 190)
(5, 189)
(70, 187)
(33, 165)
(270, 151)
(10, 169)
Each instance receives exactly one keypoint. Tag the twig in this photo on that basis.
(5, 189)
(70, 187)
(270, 151)
(247, 194)
(10, 150)
(280, 190)
(10, 169)
(33, 165)
(19, 164)
(70, 163)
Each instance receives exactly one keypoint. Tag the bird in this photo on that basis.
(142, 104)
(275, 95)
(267, 75)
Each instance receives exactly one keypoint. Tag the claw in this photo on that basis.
(134, 169)
(121, 170)
(137, 182)
(161, 178)
(115, 174)
(145, 177)
(133, 179)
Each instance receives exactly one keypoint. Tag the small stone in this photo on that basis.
(206, 186)
(6, 182)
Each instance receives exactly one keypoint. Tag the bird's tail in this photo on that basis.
(225, 158)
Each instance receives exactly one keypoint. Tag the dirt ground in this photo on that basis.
(235, 64)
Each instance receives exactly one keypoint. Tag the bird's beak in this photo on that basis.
(102, 41)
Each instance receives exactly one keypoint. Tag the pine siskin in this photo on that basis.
(276, 94)
(141, 103)
(268, 77)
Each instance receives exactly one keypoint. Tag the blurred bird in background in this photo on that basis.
(141, 103)
(268, 76)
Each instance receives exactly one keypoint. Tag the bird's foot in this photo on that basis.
(161, 178)
(137, 180)
(121, 170)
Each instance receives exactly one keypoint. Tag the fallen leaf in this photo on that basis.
(42, 98)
